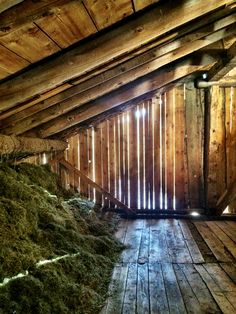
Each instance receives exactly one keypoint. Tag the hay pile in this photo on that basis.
(37, 224)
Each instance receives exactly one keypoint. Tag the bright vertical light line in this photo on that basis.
(93, 162)
(119, 154)
(165, 158)
(123, 152)
(174, 202)
(108, 155)
(138, 155)
(144, 164)
(161, 165)
(231, 109)
(115, 157)
(153, 157)
(78, 139)
(88, 158)
(44, 159)
(128, 159)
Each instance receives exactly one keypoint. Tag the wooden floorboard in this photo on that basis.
(163, 269)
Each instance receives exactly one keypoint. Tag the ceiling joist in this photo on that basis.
(117, 98)
(121, 41)
(118, 67)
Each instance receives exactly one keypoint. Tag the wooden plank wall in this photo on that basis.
(153, 156)
(221, 144)
(148, 157)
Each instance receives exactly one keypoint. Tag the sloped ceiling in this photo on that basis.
(63, 63)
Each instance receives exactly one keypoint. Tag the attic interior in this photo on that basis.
(132, 106)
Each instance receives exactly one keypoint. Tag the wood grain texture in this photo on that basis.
(7, 4)
(216, 163)
(141, 4)
(68, 25)
(107, 12)
(78, 62)
(194, 112)
(180, 168)
(29, 42)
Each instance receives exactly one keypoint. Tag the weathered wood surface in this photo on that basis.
(7, 4)
(113, 100)
(226, 198)
(118, 76)
(143, 152)
(93, 184)
(143, 284)
(194, 112)
(220, 161)
(216, 147)
(222, 67)
(26, 145)
(101, 51)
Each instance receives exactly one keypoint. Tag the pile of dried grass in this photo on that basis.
(36, 224)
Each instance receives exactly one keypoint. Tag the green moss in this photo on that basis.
(36, 225)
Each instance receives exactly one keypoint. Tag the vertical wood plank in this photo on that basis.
(98, 162)
(90, 160)
(133, 160)
(117, 159)
(231, 132)
(150, 150)
(111, 125)
(179, 149)
(121, 158)
(83, 161)
(231, 146)
(105, 152)
(194, 113)
(76, 159)
(163, 150)
(216, 179)
(71, 160)
(141, 155)
(126, 157)
(169, 147)
(156, 113)
(147, 153)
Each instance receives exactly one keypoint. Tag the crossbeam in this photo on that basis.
(93, 184)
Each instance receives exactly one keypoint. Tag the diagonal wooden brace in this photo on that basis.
(93, 184)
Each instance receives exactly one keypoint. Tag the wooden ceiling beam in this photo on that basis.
(118, 76)
(225, 64)
(7, 4)
(27, 11)
(121, 41)
(116, 98)
(115, 83)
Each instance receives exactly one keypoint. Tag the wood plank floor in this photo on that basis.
(174, 266)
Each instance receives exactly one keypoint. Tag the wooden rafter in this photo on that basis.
(7, 4)
(225, 64)
(115, 44)
(118, 76)
(119, 97)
